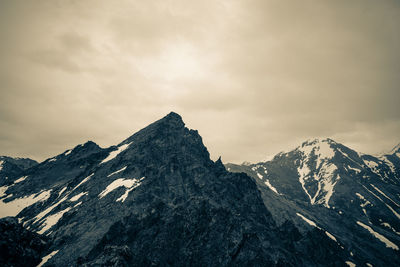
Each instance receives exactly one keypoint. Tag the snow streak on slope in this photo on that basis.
(383, 194)
(115, 153)
(325, 177)
(83, 181)
(267, 183)
(129, 184)
(307, 220)
(350, 264)
(15, 206)
(118, 171)
(389, 207)
(52, 220)
(312, 223)
(20, 179)
(78, 196)
(383, 239)
(46, 258)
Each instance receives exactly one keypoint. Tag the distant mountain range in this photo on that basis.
(158, 199)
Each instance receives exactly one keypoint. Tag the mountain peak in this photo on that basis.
(170, 123)
(318, 141)
(172, 119)
(173, 116)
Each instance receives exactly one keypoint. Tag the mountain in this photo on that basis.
(12, 168)
(353, 196)
(157, 198)
(18, 246)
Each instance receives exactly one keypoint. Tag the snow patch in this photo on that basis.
(371, 164)
(77, 204)
(381, 238)
(83, 181)
(267, 183)
(389, 207)
(1, 164)
(325, 152)
(312, 223)
(259, 176)
(120, 170)
(326, 173)
(115, 153)
(354, 169)
(68, 152)
(20, 179)
(129, 184)
(307, 220)
(366, 202)
(46, 258)
(52, 220)
(42, 214)
(330, 236)
(350, 264)
(3, 190)
(78, 196)
(387, 225)
(62, 191)
(15, 206)
(383, 194)
(388, 163)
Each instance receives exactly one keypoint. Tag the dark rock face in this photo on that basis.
(158, 199)
(18, 246)
(13, 168)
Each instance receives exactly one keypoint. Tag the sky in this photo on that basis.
(254, 77)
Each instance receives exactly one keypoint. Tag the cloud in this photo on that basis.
(255, 77)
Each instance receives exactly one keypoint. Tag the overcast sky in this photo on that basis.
(254, 77)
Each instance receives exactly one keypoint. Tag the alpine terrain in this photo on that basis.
(157, 199)
(353, 197)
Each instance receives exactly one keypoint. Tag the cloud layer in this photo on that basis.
(254, 77)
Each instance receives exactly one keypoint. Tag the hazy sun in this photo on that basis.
(177, 62)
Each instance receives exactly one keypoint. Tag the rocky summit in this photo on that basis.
(157, 199)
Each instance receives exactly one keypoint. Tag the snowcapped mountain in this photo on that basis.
(157, 198)
(354, 197)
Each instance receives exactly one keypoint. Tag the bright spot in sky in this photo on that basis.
(177, 62)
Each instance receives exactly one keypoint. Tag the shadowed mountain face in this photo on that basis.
(12, 168)
(157, 199)
(355, 197)
(18, 246)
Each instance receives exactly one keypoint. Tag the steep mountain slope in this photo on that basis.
(157, 199)
(18, 246)
(12, 168)
(354, 197)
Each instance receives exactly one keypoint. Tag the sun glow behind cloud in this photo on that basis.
(254, 77)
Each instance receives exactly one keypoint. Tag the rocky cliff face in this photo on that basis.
(12, 168)
(157, 199)
(18, 246)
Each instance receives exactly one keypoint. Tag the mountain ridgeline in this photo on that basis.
(158, 199)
